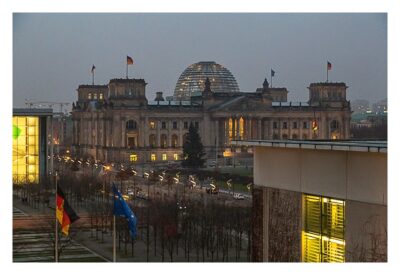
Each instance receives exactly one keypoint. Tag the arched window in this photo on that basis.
(334, 125)
(163, 141)
(131, 125)
(152, 140)
(174, 141)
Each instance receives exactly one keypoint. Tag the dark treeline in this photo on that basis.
(170, 228)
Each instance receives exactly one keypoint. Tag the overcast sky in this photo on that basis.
(54, 53)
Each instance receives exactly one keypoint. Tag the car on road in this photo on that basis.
(212, 190)
(238, 196)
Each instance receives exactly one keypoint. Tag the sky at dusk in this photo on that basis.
(54, 53)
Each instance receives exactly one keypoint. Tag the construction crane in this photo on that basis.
(35, 104)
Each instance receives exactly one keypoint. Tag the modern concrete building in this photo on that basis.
(116, 122)
(31, 144)
(319, 201)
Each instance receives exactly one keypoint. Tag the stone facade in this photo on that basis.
(116, 122)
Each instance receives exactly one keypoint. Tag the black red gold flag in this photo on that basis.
(129, 60)
(65, 214)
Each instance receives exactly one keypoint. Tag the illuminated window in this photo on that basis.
(230, 125)
(164, 156)
(174, 141)
(176, 157)
(101, 96)
(133, 158)
(241, 128)
(163, 141)
(25, 149)
(95, 96)
(323, 231)
(89, 96)
(153, 157)
(152, 125)
(152, 140)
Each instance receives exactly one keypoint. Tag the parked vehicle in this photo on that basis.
(212, 189)
(237, 196)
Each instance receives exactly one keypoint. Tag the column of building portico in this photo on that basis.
(259, 128)
(346, 131)
(158, 123)
(180, 137)
(123, 133)
(271, 128)
(247, 128)
(145, 131)
(216, 126)
(237, 136)
(265, 131)
(169, 136)
(226, 131)
(105, 133)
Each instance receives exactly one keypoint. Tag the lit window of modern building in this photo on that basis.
(153, 157)
(176, 157)
(323, 229)
(319, 201)
(152, 125)
(30, 146)
(164, 156)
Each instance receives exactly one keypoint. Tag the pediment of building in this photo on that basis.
(241, 104)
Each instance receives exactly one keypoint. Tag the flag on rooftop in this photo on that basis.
(64, 213)
(272, 72)
(93, 68)
(129, 60)
(121, 209)
(329, 66)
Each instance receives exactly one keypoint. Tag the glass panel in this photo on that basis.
(323, 235)
(25, 149)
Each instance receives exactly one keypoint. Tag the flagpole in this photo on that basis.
(126, 69)
(327, 69)
(56, 233)
(114, 231)
(114, 241)
(92, 77)
(271, 79)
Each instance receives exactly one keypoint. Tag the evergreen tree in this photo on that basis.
(193, 150)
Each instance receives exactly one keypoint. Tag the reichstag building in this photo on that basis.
(117, 123)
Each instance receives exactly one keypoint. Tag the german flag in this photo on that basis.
(129, 60)
(65, 214)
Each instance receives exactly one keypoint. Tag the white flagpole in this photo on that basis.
(56, 233)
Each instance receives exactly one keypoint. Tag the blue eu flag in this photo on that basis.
(122, 209)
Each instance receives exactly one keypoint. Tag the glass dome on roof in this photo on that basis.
(192, 79)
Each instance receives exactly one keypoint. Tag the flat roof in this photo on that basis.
(32, 112)
(376, 146)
